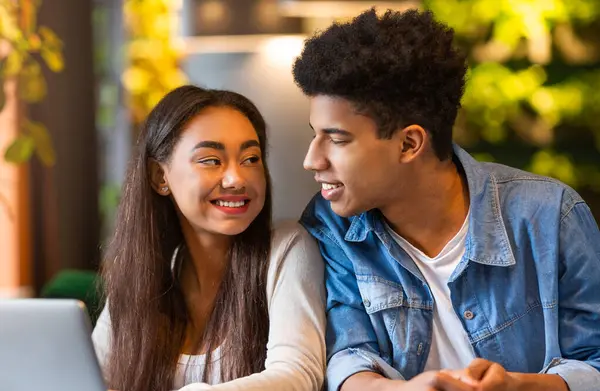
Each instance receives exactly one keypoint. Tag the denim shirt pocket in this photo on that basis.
(382, 300)
(378, 293)
(401, 322)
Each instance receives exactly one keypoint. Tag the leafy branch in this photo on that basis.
(24, 46)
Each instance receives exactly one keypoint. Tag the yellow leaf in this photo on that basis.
(53, 58)
(508, 31)
(136, 79)
(8, 25)
(49, 37)
(19, 150)
(13, 63)
(43, 144)
(32, 85)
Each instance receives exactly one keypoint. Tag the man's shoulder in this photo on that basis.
(514, 184)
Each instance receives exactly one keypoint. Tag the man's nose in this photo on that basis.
(315, 159)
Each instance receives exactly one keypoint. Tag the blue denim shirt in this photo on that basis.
(529, 283)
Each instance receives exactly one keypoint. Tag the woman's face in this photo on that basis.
(216, 174)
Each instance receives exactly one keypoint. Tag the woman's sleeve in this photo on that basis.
(101, 337)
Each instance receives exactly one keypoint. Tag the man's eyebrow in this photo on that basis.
(337, 131)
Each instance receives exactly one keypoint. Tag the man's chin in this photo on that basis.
(343, 210)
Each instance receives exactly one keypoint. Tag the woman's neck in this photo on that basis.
(205, 262)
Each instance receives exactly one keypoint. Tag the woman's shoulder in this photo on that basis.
(294, 250)
(287, 233)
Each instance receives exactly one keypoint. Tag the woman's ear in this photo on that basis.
(158, 179)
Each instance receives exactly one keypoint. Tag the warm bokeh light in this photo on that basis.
(282, 50)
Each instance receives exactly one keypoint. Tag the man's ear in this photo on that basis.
(412, 140)
(158, 179)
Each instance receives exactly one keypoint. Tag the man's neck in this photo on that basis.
(433, 211)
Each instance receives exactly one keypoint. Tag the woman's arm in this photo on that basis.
(296, 293)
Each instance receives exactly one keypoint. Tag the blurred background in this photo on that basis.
(79, 76)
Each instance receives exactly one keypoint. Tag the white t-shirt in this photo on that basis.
(450, 346)
(296, 344)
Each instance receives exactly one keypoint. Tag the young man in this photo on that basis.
(435, 261)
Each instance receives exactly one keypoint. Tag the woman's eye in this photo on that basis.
(210, 162)
(251, 160)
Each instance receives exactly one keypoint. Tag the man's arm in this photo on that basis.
(433, 380)
(351, 341)
(579, 313)
(354, 361)
(539, 382)
(367, 381)
(579, 300)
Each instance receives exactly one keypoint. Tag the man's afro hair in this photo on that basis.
(399, 69)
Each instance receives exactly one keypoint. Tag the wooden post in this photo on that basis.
(15, 238)
(65, 220)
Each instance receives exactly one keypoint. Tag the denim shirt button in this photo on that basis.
(468, 315)
(367, 303)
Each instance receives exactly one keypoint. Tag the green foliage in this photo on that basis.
(533, 98)
(152, 56)
(20, 150)
(33, 138)
(23, 42)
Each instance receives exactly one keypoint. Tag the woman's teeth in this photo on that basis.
(228, 204)
(330, 186)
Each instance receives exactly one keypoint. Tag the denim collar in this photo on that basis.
(487, 240)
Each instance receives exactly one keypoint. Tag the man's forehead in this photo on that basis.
(332, 105)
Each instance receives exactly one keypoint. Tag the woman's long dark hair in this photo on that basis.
(147, 307)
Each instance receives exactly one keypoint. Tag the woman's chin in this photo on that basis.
(230, 228)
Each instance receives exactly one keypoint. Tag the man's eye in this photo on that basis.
(210, 162)
(338, 142)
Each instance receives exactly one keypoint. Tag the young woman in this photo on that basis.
(201, 293)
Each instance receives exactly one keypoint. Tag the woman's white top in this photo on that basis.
(296, 346)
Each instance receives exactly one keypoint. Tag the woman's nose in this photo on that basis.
(233, 178)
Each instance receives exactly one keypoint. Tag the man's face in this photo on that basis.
(357, 170)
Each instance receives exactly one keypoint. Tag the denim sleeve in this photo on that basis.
(579, 301)
(351, 342)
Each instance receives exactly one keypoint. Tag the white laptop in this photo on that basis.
(45, 344)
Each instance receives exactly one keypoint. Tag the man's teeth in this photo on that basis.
(330, 186)
(228, 204)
